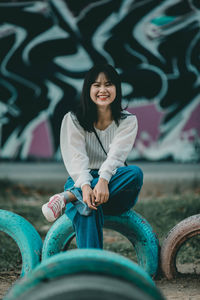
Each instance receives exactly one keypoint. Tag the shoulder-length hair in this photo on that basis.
(86, 111)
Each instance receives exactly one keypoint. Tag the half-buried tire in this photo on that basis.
(86, 274)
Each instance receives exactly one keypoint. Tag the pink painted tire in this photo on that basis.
(179, 234)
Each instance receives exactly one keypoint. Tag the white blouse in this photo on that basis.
(82, 152)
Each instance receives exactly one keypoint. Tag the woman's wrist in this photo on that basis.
(85, 186)
(101, 179)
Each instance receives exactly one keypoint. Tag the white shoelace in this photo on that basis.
(56, 205)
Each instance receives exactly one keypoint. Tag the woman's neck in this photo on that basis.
(104, 115)
(104, 118)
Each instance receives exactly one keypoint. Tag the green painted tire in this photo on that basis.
(132, 225)
(67, 275)
(26, 237)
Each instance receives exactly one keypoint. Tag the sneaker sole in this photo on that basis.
(48, 214)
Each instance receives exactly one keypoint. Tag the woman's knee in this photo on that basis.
(137, 175)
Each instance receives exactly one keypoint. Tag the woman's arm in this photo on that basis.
(73, 150)
(120, 147)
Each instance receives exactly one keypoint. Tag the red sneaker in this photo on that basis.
(53, 209)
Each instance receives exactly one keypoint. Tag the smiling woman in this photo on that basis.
(95, 141)
(103, 93)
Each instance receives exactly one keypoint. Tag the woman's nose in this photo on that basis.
(102, 88)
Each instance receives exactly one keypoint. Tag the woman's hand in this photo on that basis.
(88, 196)
(101, 191)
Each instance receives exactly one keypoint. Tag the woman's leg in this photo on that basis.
(89, 229)
(124, 188)
(87, 223)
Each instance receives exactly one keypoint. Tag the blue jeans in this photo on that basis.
(124, 188)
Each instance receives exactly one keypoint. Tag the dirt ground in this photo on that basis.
(162, 211)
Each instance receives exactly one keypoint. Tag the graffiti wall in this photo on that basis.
(47, 46)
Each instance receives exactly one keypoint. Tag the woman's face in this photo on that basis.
(102, 91)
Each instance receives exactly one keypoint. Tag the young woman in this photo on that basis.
(95, 141)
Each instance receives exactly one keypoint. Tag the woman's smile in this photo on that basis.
(103, 97)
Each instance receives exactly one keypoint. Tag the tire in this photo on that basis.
(86, 274)
(179, 234)
(133, 226)
(26, 237)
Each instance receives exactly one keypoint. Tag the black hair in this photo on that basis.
(86, 112)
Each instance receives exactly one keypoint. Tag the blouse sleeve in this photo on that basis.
(73, 150)
(120, 147)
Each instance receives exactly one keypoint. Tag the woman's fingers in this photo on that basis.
(90, 205)
(88, 196)
(101, 198)
(89, 201)
(101, 191)
(97, 200)
(97, 196)
(93, 199)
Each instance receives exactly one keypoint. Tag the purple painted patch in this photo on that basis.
(41, 145)
(149, 119)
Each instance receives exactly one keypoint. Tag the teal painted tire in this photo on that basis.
(67, 275)
(132, 225)
(26, 237)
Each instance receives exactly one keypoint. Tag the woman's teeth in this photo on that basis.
(102, 97)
